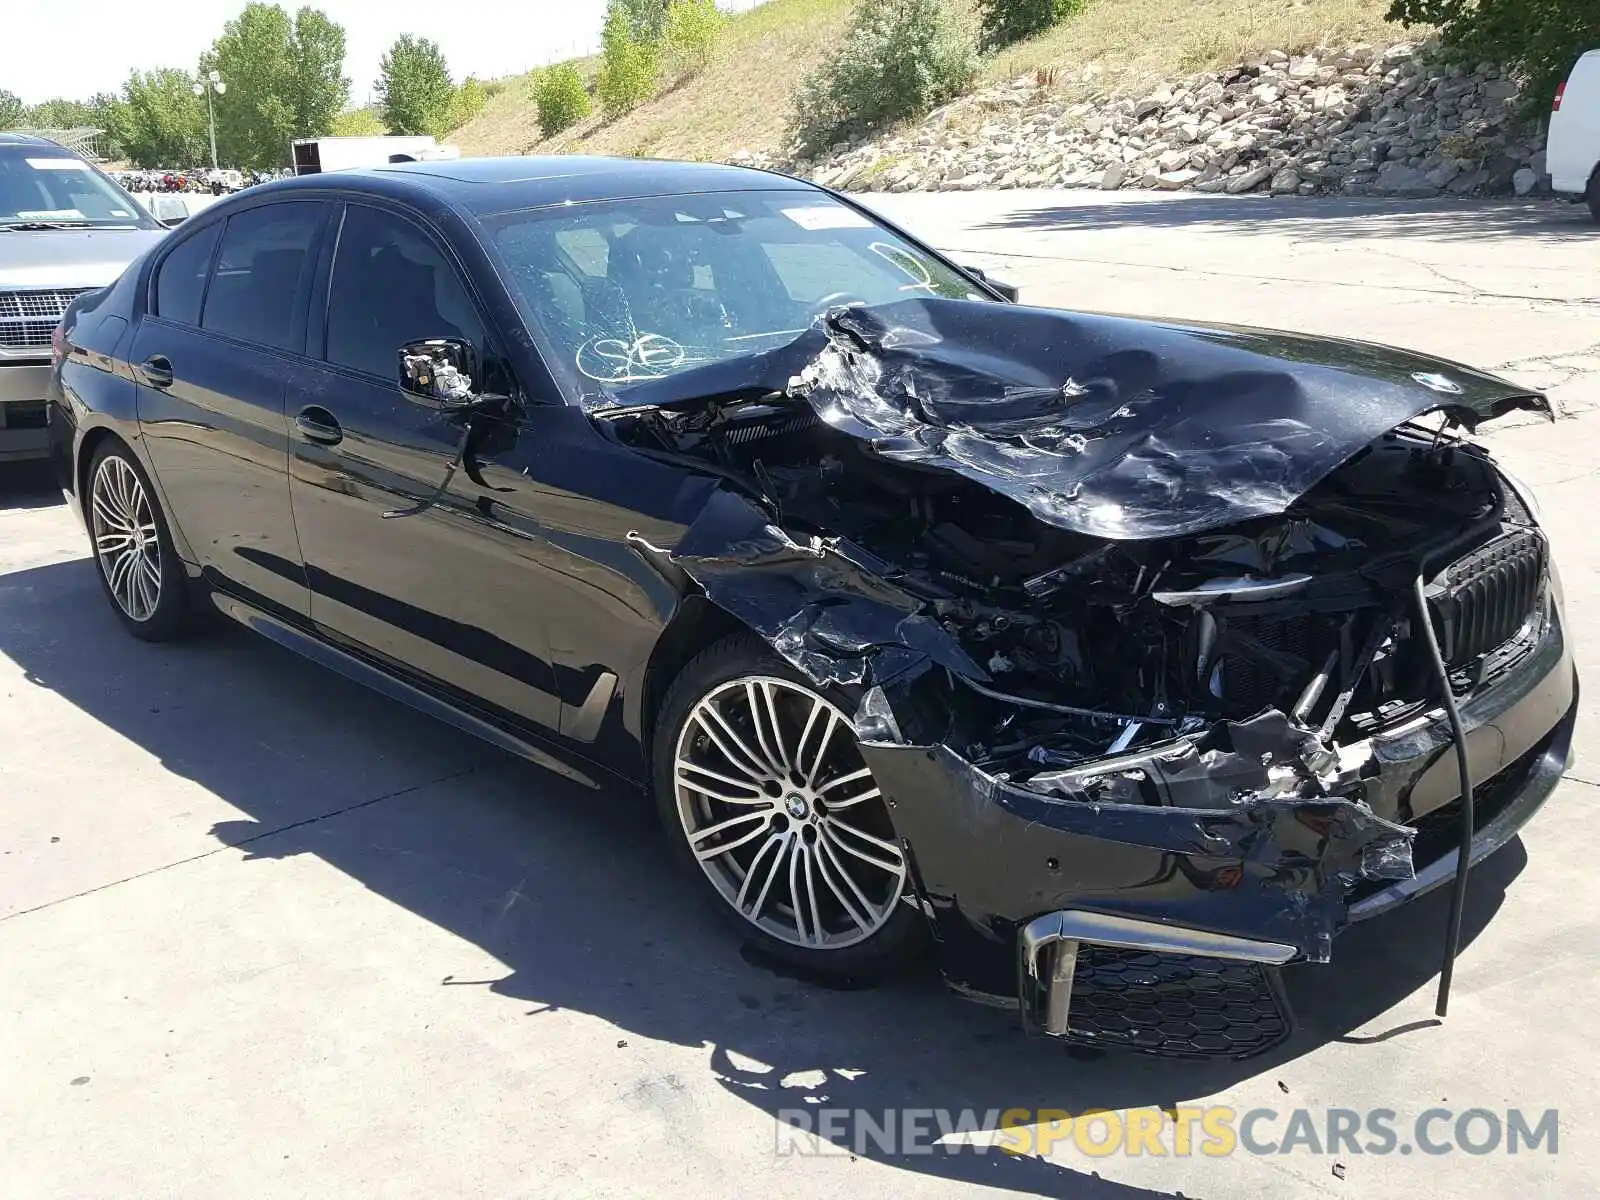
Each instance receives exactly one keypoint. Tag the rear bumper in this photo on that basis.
(23, 432)
(1206, 902)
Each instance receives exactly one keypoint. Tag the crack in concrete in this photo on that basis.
(255, 837)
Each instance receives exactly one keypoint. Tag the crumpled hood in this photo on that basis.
(70, 258)
(1113, 427)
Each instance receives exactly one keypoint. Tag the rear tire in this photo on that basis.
(141, 573)
(762, 792)
(1593, 194)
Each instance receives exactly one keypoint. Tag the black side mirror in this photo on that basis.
(439, 372)
(1009, 290)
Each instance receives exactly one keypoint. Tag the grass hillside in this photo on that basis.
(742, 100)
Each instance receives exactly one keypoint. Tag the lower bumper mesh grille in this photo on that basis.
(1179, 1005)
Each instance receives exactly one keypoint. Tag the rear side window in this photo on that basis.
(264, 262)
(182, 278)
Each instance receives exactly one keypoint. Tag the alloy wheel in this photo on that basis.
(781, 812)
(126, 542)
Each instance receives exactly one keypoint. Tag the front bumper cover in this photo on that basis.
(1016, 882)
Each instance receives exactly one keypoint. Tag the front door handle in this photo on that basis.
(157, 371)
(317, 424)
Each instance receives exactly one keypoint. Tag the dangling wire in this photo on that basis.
(1458, 894)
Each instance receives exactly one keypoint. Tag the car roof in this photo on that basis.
(25, 139)
(484, 186)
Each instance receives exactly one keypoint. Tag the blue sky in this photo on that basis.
(486, 38)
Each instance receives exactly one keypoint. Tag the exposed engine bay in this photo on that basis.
(1090, 648)
(1174, 622)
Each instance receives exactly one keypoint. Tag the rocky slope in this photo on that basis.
(1359, 120)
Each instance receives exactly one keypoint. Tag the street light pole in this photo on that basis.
(210, 83)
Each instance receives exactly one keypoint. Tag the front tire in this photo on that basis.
(141, 573)
(765, 797)
(1593, 194)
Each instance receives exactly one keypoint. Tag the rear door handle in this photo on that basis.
(157, 371)
(317, 424)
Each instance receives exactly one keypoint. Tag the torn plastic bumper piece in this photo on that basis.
(1111, 980)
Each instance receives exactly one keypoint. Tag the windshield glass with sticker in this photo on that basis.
(634, 290)
(42, 185)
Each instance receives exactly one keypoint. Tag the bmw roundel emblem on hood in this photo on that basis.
(1437, 382)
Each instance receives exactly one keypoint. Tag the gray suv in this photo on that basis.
(65, 229)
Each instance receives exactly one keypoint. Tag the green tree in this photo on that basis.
(693, 29)
(58, 114)
(321, 89)
(414, 89)
(284, 80)
(109, 113)
(1540, 39)
(630, 63)
(11, 107)
(358, 122)
(160, 122)
(899, 58)
(562, 99)
(1002, 22)
(467, 103)
(648, 18)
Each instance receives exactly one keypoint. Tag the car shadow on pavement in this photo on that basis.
(1326, 217)
(572, 891)
(28, 485)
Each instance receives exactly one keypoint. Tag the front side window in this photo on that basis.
(44, 186)
(630, 290)
(264, 261)
(392, 285)
(181, 278)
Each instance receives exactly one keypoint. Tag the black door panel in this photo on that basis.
(217, 436)
(445, 593)
(211, 363)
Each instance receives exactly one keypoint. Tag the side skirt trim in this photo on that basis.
(380, 681)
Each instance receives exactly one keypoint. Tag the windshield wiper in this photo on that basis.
(31, 226)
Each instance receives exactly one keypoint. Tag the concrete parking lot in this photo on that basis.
(265, 934)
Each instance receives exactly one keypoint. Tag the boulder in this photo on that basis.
(1249, 180)
(1172, 181)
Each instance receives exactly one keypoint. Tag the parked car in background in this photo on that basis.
(1572, 152)
(65, 229)
(1118, 659)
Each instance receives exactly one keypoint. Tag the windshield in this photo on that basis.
(48, 186)
(630, 290)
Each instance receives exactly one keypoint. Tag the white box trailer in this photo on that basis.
(312, 156)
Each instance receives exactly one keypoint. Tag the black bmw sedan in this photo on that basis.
(1120, 661)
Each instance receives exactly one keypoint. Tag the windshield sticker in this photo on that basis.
(623, 360)
(55, 164)
(51, 214)
(827, 216)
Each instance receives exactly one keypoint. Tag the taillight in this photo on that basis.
(58, 346)
(1560, 92)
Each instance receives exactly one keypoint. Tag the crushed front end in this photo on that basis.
(1137, 657)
